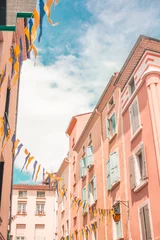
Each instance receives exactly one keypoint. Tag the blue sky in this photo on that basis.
(75, 61)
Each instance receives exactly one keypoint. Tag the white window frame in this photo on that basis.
(23, 195)
(110, 106)
(109, 119)
(40, 211)
(89, 192)
(139, 183)
(22, 207)
(143, 204)
(133, 134)
(39, 192)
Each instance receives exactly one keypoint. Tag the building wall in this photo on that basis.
(64, 202)
(150, 192)
(31, 219)
(9, 39)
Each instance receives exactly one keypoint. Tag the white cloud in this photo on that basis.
(51, 95)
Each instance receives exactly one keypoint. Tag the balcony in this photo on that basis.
(10, 10)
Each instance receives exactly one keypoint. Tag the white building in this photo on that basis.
(33, 213)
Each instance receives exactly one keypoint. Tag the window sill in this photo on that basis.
(121, 238)
(111, 139)
(141, 185)
(83, 154)
(41, 198)
(21, 214)
(90, 142)
(136, 133)
(84, 214)
(40, 214)
(63, 211)
(111, 108)
(22, 198)
(115, 185)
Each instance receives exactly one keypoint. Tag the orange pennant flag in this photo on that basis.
(29, 161)
(39, 167)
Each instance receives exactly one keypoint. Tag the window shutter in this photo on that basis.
(144, 172)
(142, 224)
(89, 190)
(136, 115)
(19, 207)
(80, 168)
(108, 175)
(147, 222)
(114, 123)
(114, 167)
(89, 153)
(132, 119)
(95, 188)
(132, 172)
(83, 166)
(108, 128)
(84, 194)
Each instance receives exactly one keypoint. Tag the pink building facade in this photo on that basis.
(114, 160)
(33, 212)
(12, 23)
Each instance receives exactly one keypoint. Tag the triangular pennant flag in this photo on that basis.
(34, 169)
(18, 150)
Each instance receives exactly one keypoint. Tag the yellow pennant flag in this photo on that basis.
(29, 161)
(7, 138)
(26, 151)
(39, 167)
(47, 9)
(16, 65)
(17, 50)
(15, 145)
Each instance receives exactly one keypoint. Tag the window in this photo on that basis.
(74, 221)
(67, 227)
(62, 204)
(39, 232)
(83, 149)
(137, 165)
(134, 117)
(89, 156)
(73, 142)
(92, 191)
(131, 86)
(40, 194)
(90, 137)
(145, 223)
(111, 126)
(22, 194)
(84, 198)
(1, 178)
(20, 231)
(83, 167)
(21, 207)
(111, 102)
(94, 235)
(7, 101)
(40, 208)
(62, 230)
(113, 175)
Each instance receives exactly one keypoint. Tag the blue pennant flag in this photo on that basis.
(18, 150)
(34, 169)
(26, 159)
(42, 13)
(21, 54)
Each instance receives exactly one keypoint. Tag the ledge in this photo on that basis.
(114, 135)
(115, 185)
(91, 167)
(22, 214)
(8, 28)
(111, 108)
(136, 133)
(140, 186)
